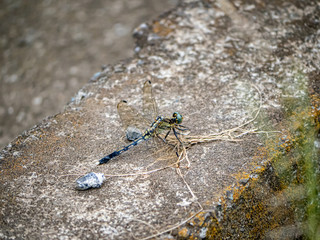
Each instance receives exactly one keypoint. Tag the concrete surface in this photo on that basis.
(206, 59)
(50, 49)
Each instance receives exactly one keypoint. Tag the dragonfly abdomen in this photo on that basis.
(147, 134)
(126, 148)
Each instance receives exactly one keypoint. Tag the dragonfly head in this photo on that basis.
(177, 117)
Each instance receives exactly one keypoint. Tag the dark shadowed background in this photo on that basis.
(50, 49)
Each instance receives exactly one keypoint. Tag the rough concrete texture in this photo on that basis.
(50, 49)
(209, 60)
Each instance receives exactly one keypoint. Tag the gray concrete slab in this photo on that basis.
(205, 60)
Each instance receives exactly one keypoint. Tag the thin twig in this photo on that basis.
(173, 227)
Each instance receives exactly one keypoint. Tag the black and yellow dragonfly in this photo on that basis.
(130, 117)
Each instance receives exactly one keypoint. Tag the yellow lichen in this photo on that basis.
(183, 233)
(162, 29)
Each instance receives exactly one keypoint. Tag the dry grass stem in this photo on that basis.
(173, 227)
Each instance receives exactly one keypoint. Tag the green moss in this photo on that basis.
(286, 193)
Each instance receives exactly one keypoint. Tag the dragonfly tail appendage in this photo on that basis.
(109, 157)
(126, 148)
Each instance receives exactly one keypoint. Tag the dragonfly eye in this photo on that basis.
(178, 117)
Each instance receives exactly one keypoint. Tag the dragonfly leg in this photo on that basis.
(165, 137)
(161, 138)
(167, 134)
(182, 128)
(176, 134)
(164, 140)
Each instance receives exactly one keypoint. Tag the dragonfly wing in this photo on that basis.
(130, 117)
(150, 108)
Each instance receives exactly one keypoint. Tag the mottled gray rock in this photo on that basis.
(213, 62)
(133, 133)
(90, 180)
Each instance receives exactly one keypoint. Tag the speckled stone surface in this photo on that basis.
(206, 59)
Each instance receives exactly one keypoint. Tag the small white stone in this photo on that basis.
(90, 180)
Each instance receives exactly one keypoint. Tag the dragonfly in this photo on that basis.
(130, 117)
